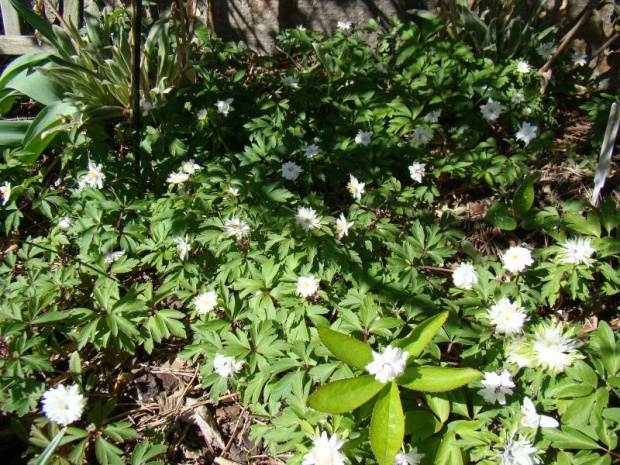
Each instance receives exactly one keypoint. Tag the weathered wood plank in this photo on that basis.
(20, 45)
(71, 11)
(10, 19)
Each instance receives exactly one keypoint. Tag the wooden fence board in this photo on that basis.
(19, 45)
(10, 19)
(71, 11)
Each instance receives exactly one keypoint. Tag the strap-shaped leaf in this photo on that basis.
(387, 427)
(437, 379)
(344, 395)
(349, 350)
(35, 21)
(422, 334)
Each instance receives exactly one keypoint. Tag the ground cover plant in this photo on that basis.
(342, 254)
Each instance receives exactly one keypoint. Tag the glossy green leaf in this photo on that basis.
(42, 130)
(387, 427)
(344, 395)
(437, 379)
(12, 132)
(422, 334)
(500, 216)
(523, 198)
(345, 348)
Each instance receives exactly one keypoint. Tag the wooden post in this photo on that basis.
(10, 19)
(71, 12)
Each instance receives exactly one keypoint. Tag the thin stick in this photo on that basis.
(61, 20)
(135, 77)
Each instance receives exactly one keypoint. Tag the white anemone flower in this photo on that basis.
(531, 418)
(517, 97)
(343, 25)
(311, 151)
(307, 286)
(325, 451)
(111, 257)
(291, 170)
(518, 352)
(307, 218)
(491, 110)
(289, 81)
(177, 178)
(224, 106)
(355, 187)
(65, 222)
(363, 137)
(342, 226)
(552, 349)
(202, 114)
(413, 457)
(577, 251)
(63, 405)
(517, 259)
(526, 132)
(93, 178)
(416, 171)
(523, 67)
(420, 137)
(579, 59)
(465, 276)
(183, 247)
(546, 50)
(226, 367)
(432, 117)
(5, 191)
(507, 317)
(496, 387)
(146, 107)
(519, 452)
(205, 302)
(190, 167)
(232, 191)
(236, 227)
(389, 365)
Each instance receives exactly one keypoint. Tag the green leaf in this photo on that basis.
(437, 379)
(48, 453)
(523, 198)
(41, 131)
(145, 451)
(569, 438)
(35, 21)
(75, 368)
(422, 335)
(345, 348)
(12, 132)
(420, 424)
(107, 453)
(344, 395)
(387, 427)
(449, 453)
(500, 216)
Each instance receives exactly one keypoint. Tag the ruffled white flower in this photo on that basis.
(342, 226)
(577, 251)
(291, 170)
(411, 458)
(552, 349)
(546, 50)
(63, 405)
(205, 302)
(183, 247)
(5, 191)
(65, 222)
(579, 59)
(343, 25)
(224, 106)
(507, 317)
(289, 81)
(325, 451)
(93, 178)
(491, 110)
(355, 187)
(416, 171)
(190, 167)
(363, 137)
(519, 452)
(146, 107)
(389, 365)
(517, 259)
(307, 286)
(236, 227)
(311, 151)
(518, 352)
(177, 178)
(226, 367)
(531, 418)
(202, 114)
(523, 67)
(307, 219)
(496, 387)
(465, 276)
(232, 191)
(420, 137)
(111, 257)
(517, 97)
(526, 132)
(432, 117)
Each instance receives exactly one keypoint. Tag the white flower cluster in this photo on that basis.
(187, 169)
(94, 177)
(226, 367)
(63, 405)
